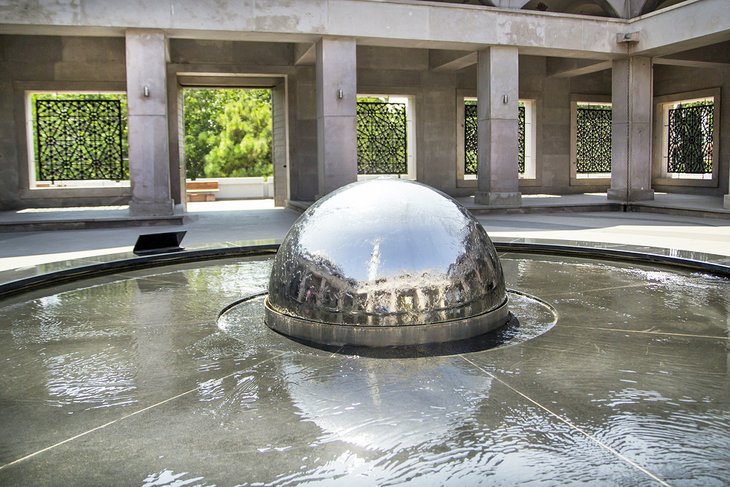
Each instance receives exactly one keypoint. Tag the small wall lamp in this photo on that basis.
(146, 91)
(340, 94)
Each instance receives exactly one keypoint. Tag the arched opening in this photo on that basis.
(653, 5)
(597, 8)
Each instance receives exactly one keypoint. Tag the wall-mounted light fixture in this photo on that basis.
(505, 99)
(340, 94)
(146, 91)
(627, 37)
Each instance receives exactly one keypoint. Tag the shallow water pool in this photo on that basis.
(610, 374)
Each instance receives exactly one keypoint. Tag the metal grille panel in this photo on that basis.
(471, 135)
(690, 139)
(593, 139)
(382, 142)
(521, 140)
(80, 140)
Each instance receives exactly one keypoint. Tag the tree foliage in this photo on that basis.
(227, 132)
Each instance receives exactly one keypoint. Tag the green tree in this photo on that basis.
(243, 147)
(227, 132)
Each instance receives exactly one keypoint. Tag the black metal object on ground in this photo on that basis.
(158, 243)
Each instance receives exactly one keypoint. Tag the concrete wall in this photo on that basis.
(242, 188)
(38, 63)
(98, 63)
(303, 178)
(669, 80)
(209, 63)
(398, 71)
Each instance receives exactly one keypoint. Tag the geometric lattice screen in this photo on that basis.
(521, 139)
(690, 138)
(382, 142)
(593, 139)
(79, 140)
(471, 136)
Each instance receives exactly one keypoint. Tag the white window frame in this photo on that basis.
(662, 104)
(527, 178)
(33, 183)
(576, 178)
(410, 101)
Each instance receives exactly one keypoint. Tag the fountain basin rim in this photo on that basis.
(386, 336)
(126, 262)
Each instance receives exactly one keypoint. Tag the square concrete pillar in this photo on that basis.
(149, 151)
(726, 199)
(336, 106)
(631, 130)
(497, 118)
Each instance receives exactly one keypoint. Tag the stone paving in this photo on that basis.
(248, 220)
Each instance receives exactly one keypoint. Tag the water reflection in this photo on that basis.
(306, 416)
(536, 317)
(386, 406)
(421, 258)
(168, 478)
(95, 380)
(689, 447)
(660, 299)
(432, 235)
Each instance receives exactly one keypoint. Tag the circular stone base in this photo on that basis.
(386, 336)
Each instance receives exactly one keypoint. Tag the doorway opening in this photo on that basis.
(227, 143)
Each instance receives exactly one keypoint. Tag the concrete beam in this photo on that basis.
(401, 23)
(688, 63)
(569, 68)
(685, 26)
(716, 56)
(305, 54)
(396, 23)
(442, 60)
(469, 27)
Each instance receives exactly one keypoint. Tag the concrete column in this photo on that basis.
(631, 140)
(726, 199)
(280, 146)
(149, 150)
(336, 99)
(497, 113)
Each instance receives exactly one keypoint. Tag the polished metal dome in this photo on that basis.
(386, 262)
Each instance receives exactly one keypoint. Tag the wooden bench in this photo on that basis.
(201, 190)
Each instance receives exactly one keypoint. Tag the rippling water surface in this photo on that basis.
(609, 374)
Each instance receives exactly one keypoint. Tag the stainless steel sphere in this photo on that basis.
(386, 262)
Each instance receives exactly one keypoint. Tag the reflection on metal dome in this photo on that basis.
(383, 263)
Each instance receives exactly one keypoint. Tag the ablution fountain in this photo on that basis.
(403, 346)
(386, 263)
